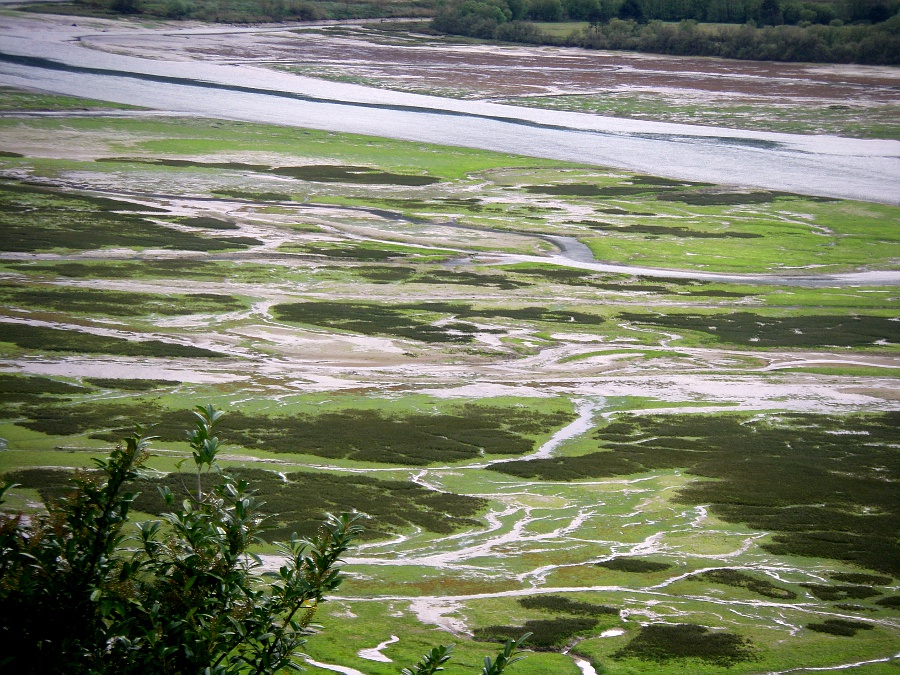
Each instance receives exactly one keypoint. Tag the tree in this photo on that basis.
(76, 598)
(631, 10)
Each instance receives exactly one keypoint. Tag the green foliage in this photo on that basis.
(507, 656)
(633, 565)
(75, 599)
(56, 570)
(431, 662)
(668, 642)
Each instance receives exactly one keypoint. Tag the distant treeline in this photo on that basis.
(749, 29)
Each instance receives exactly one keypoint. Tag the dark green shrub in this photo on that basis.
(667, 642)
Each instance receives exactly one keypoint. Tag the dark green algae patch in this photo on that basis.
(317, 173)
(36, 218)
(41, 338)
(835, 495)
(416, 321)
(300, 500)
(757, 330)
(462, 433)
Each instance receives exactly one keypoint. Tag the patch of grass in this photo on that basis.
(57, 340)
(841, 627)
(749, 329)
(562, 605)
(17, 100)
(547, 634)
(668, 230)
(633, 565)
(738, 579)
(661, 643)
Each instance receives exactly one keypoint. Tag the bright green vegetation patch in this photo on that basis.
(40, 219)
(94, 301)
(738, 579)
(416, 321)
(835, 496)
(417, 439)
(300, 500)
(17, 100)
(59, 340)
(750, 329)
(633, 565)
(384, 274)
(320, 173)
(670, 230)
(663, 643)
(840, 627)
(560, 604)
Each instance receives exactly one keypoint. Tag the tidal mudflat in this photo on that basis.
(660, 471)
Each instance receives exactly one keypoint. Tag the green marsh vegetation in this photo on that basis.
(415, 462)
(833, 498)
(82, 222)
(93, 301)
(40, 338)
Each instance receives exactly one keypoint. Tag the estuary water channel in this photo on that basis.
(57, 59)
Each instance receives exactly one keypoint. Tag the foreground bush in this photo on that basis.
(78, 596)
